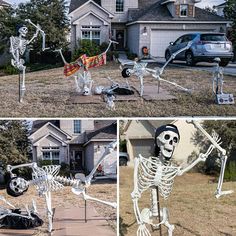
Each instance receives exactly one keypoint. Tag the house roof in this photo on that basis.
(159, 12)
(221, 5)
(3, 3)
(74, 4)
(37, 124)
(103, 129)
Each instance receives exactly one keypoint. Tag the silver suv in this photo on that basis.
(205, 48)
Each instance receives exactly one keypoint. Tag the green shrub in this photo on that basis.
(9, 70)
(131, 56)
(65, 169)
(230, 171)
(86, 47)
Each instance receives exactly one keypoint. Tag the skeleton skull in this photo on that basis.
(86, 91)
(166, 140)
(23, 31)
(17, 186)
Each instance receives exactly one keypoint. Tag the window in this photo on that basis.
(119, 5)
(51, 154)
(184, 10)
(91, 33)
(77, 126)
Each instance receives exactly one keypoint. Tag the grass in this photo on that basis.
(193, 209)
(49, 94)
(66, 199)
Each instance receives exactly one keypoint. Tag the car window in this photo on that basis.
(213, 37)
(179, 40)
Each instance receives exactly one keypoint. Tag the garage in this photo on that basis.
(145, 147)
(160, 40)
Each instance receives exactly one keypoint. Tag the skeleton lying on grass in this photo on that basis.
(157, 174)
(46, 180)
(15, 218)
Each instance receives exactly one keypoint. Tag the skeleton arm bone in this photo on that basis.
(62, 57)
(201, 157)
(107, 151)
(11, 168)
(109, 45)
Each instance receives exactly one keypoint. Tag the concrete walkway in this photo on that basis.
(70, 222)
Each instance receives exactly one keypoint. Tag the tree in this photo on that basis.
(51, 15)
(14, 143)
(230, 13)
(8, 24)
(227, 132)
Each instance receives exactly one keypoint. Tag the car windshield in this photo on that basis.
(213, 37)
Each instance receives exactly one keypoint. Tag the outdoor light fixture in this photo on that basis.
(145, 30)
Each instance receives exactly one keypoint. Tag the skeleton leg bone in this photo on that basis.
(219, 191)
(49, 209)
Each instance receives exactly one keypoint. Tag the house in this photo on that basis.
(4, 4)
(220, 9)
(139, 136)
(139, 23)
(78, 143)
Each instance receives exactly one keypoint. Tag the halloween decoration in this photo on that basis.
(140, 70)
(157, 174)
(15, 218)
(46, 180)
(218, 82)
(18, 46)
(84, 82)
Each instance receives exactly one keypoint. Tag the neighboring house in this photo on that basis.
(220, 9)
(78, 143)
(140, 134)
(139, 23)
(4, 4)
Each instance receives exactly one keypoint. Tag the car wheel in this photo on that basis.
(122, 161)
(189, 59)
(224, 63)
(167, 56)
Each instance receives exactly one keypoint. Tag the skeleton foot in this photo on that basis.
(218, 193)
(143, 231)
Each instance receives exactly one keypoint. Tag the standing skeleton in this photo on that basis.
(18, 45)
(47, 180)
(158, 174)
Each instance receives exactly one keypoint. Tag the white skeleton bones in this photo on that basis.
(47, 180)
(140, 70)
(157, 174)
(83, 81)
(18, 45)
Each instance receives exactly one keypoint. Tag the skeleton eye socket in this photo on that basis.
(167, 137)
(175, 140)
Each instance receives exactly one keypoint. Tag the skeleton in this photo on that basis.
(109, 98)
(217, 85)
(18, 45)
(47, 180)
(140, 70)
(83, 81)
(157, 174)
(29, 216)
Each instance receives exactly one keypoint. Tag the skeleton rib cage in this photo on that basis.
(152, 173)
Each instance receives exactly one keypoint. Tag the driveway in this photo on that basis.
(203, 66)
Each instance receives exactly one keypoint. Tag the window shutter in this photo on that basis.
(177, 10)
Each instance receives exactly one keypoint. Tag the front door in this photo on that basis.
(77, 162)
(120, 38)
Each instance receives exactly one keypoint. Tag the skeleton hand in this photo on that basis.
(143, 231)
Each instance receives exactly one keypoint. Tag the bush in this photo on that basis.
(230, 171)
(65, 169)
(86, 47)
(9, 70)
(131, 56)
(123, 147)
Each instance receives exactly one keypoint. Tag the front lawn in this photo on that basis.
(50, 94)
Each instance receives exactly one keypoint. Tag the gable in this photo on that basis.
(87, 6)
(91, 17)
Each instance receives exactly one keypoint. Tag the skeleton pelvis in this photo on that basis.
(146, 216)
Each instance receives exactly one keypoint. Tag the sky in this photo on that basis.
(203, 3)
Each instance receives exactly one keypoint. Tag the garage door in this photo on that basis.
(160, 40)
(144, 147)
